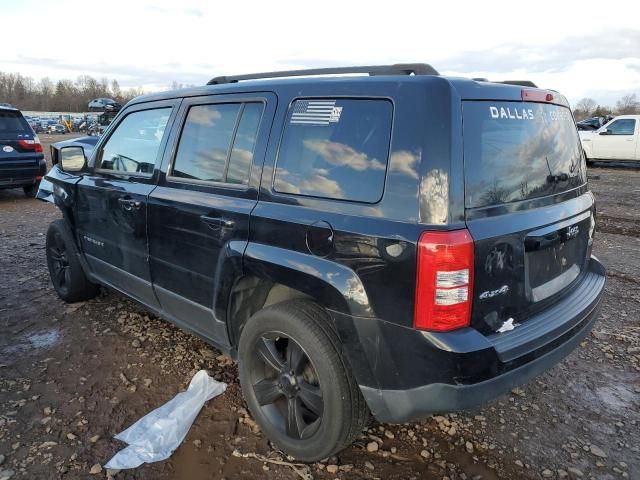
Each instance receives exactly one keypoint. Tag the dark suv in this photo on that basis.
(22, 163)
(396, 244)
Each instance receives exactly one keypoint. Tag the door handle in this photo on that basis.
(129, 204)
(218, 222)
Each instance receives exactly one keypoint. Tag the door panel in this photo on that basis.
(199, 213)
(111, 205)
(620, 143)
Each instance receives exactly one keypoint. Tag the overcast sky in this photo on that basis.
(587, 48)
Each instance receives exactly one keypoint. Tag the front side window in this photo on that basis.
(133, 146)
(217, 143)
(624, 126)
(335, 149)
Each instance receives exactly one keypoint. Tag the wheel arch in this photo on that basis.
(272, 275)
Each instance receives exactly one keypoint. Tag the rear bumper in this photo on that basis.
(464, 369)
(23, 173)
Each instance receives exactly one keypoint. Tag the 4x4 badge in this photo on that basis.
(494, 293)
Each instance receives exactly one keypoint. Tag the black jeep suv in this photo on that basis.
(398, 243)
(22, 163)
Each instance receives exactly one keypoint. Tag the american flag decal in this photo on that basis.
(315, 112)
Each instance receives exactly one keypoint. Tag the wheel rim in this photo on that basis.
(286, 386)
(60, 274)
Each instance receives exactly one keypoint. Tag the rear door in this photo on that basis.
(527, 207)
(111, 203)
(616, 140)
(199, 213)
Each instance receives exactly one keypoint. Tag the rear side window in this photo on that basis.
(133, 145)
(217, 143)
(624, 126)
(12, 122)
(335, 149)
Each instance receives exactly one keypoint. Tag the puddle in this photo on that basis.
(32, 342)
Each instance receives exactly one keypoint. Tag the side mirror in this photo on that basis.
(605, 132)
(72, 159)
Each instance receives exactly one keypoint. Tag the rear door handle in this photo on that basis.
(129, 204)
(218, 222)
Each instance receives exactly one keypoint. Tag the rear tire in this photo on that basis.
(296, 382)
(65, 271)
(31, 190)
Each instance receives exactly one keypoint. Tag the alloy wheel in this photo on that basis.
(286, 385)
(60, 268)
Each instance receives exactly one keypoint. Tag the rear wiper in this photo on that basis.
(563, 177)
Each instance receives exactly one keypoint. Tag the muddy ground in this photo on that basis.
(72, 376)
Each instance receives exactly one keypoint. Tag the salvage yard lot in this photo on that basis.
(72, 376)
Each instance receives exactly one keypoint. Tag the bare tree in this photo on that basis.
(628, 105)
(64, 95)
(584, 108)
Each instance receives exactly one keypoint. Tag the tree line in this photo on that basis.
(73, 96)
(61, 96)
(588, 107)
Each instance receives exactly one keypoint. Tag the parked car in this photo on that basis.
(104, 104)
(388, 244)
(22, 163)
(57, 128)
(617, 140)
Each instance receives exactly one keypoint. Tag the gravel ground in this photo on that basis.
(72, 376)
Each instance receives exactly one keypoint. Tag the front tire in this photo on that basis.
(67, 276)
(296, 382)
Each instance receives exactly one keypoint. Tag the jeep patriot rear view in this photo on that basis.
(391, 244)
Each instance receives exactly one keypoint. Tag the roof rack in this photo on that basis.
(396, 69)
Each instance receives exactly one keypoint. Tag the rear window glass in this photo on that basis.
(217, 143)
(205, 141)
(516, 151)
(12, 122)
(335, 149)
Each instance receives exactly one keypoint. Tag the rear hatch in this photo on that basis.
(526, 206)
(16, 144)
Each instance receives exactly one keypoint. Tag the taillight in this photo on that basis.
(32, 145)
(444, 281)
(531, 95)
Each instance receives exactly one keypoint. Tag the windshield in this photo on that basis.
(12, 122)
(516, 151)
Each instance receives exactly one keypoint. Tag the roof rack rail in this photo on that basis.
(522, 83)
(396, 69)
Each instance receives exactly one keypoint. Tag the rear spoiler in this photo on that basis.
(521, 83)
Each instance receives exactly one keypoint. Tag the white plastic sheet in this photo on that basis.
(156, 435)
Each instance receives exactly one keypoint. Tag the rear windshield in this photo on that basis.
(12, 122)
(516, 151)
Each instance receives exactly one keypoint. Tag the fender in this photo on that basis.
(587, 145)
(59, 187)
(335, 286)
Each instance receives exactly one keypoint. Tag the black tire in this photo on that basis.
(315, 382)
(31, 190)
(65, 271)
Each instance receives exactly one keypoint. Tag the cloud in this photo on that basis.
(194, 12)
(204, 116)
(404, 162)
(341, 155)
(555, 57)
